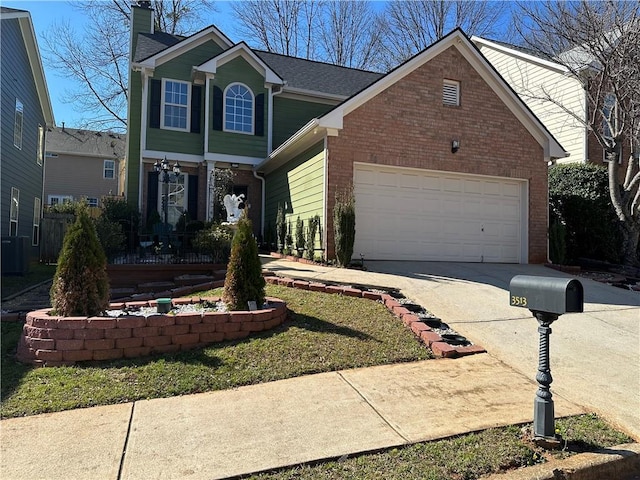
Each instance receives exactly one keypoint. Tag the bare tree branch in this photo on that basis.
(97, 59)
(599, 44)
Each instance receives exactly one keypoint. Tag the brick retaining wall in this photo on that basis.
(50, 341)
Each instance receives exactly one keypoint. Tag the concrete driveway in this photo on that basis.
(595, 355)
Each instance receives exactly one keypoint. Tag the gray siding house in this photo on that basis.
(83, 164)
(26, 115)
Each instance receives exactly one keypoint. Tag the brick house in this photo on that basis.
(446, 162)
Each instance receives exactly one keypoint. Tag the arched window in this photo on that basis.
(238, 109)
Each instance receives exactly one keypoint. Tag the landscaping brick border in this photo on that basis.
(53, 341)
(423, 331)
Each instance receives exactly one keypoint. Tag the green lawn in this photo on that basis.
(463, 457)
(324, 332)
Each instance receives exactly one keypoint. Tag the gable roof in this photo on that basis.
(300, 75)
(241, 50)
(332, 121)
(35, 62)
(175, 49)
(87, 143)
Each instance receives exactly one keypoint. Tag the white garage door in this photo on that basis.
(410, 214)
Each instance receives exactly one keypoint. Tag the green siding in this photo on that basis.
(290, 115)
(238, 70)
(133, 137)
(180, 69)
(298, 186)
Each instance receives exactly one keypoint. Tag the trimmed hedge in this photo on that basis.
(579, 201)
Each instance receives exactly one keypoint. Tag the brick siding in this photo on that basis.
(407, 125)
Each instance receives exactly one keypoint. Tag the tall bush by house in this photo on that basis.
(579, 201)
(310, 245)
(281, 229)
(344, 226)
(244, 281)
(81, 285)
(299, 234)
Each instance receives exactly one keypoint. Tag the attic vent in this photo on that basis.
(451, 93)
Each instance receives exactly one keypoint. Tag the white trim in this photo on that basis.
(241, 50)
(210, 33)
(207, 100)
(224, 109)
(154, 155)
(303, 94)
(269, 119)
(325, 196)
(187, 106)
(239, 159)
(517, 53)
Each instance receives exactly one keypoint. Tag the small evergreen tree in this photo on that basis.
(344, 226)
(81, 285)
(314, 223)
(299, 234)
(244, 281)
(281, 229)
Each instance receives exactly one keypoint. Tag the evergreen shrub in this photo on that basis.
(81, 285)
(244, 281)
(344, 226)
(579, 200)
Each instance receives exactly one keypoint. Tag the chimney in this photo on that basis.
(141, 22)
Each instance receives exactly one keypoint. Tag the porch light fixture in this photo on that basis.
(455, 145)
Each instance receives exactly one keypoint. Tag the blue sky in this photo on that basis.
(48, 12)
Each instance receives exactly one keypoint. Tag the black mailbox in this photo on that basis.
(546, 294)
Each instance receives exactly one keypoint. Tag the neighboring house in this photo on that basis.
(83, 165)
(26, 114)
(446, 161)
(535, 79)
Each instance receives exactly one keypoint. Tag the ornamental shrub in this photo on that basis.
(299, 234)
(344, 226)
(314, 223)
(244, 281)
(281, 229)
(81, 285)
(579, 200)
(215, 241)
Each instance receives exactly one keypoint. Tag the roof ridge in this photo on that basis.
(313, 61)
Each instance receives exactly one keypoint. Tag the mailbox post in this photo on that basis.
(547, 298)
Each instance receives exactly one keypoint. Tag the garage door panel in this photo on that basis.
(424, 215)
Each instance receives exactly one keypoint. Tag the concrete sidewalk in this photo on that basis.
(259, 427)
(594, 356)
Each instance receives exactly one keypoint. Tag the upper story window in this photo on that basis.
(109, 169)
(17, 126)
(175, 105)
(238, 109)
(451, 93)
(40, 153)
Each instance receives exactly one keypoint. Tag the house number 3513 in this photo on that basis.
(518, 301)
